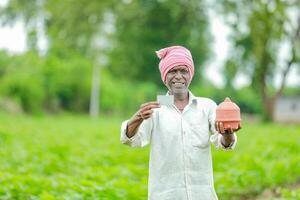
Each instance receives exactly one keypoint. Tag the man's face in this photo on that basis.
(178, 80)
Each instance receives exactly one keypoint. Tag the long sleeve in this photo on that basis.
(215, 138)
(142, 136)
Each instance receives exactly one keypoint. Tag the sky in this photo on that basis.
(13, 39)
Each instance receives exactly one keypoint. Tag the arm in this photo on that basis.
(225, 139)
(133, 125)
(227, 134)
(136, 132)
(142, 114)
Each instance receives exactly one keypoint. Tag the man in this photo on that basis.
(180, 157)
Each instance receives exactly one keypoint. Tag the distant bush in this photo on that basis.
(46, 83)
(124, 96)
(55, 83)
(67, 83)
(62, 82)
(246, 98)
(21, 80)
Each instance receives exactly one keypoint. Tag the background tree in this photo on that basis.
(259, 29)
(77, 29)
(71, 27)
(142, 27)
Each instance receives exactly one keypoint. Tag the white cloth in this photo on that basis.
(180, 166)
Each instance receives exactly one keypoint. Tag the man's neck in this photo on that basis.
(181, 100)
(181, 97)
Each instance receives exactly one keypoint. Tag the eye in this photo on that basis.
(172, 72)
(184, 71)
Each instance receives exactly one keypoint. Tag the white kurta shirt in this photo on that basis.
(180, 165)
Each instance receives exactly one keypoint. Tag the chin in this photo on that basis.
(179, 91)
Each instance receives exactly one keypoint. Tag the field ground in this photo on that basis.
(74, 157)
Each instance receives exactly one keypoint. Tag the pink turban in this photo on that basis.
(174, 56)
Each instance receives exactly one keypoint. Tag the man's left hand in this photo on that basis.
(221, 129)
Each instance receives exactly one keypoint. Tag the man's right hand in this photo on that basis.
(145, 112)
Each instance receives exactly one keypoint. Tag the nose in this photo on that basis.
(178, 75)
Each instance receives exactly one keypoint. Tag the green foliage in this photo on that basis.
(143, 27)
(73, 29)
(68, 158)
(289, 193)
(246, 98)
(120, 96)
(76, 29)
(49, 83)
(73, 157)
(21, 80)
(259, 163)
(69, 25)
(4, 60)
(55, 82)
(73, 25)
(259, 30)
(67, 82)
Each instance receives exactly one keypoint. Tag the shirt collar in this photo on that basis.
(192, 98)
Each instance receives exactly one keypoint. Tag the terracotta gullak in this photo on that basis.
(228, 113)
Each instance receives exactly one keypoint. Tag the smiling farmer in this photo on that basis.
(180, 134)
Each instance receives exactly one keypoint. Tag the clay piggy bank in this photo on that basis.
(228, 113)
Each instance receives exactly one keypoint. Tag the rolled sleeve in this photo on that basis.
(124, 138)
(142, 136)
(216, 139)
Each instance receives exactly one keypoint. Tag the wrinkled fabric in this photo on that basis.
(174, 56)
(180, 165)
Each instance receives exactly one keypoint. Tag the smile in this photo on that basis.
(178, 83)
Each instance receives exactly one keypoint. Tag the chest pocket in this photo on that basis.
(199, 129)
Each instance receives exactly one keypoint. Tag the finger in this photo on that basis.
(222, 130)
(149, 107)
(149, 103)
(147, 112)
(229, 130)
(140, 115)
(216, 126)
(240, 126)
(147, 116)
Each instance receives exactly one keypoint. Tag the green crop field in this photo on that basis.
(74, 157)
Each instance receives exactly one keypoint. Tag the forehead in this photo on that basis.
(180, 67)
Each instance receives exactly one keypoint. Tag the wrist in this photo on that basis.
(227, 140)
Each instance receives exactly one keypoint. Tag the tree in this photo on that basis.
(142, 27)
(71, 27)
(259, 28)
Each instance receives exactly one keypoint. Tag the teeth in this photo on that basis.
(177, 84)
